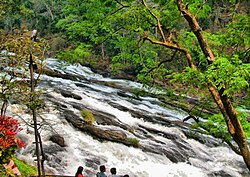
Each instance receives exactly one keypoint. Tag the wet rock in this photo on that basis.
(202, 138)
(95, 131)
(71, 117)
(53, 149)
(58, 139)
(77, 105)
(69, 94)
(53, 73)
(109, 135)
(93, 162)
(223, 173)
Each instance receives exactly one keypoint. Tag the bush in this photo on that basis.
(9, 143)
(134, 142)
(87, 116)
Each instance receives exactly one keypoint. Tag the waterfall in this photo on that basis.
(165, 149)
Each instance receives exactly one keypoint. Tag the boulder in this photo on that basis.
(69, 94)
(58, 139)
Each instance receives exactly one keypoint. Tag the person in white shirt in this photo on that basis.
(113, 173)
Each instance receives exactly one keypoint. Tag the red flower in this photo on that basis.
(20, 143)
(8, 130)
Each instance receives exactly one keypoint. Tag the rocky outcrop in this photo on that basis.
(95, 131)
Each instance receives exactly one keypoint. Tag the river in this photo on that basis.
(167, 150)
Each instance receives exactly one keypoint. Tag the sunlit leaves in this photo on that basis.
(216, 124)
(200, 8)
(230, 74)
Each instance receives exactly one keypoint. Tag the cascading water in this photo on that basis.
(165, 150)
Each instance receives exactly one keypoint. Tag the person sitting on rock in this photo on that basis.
(102, 172)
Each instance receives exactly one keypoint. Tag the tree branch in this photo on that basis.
(164, 61)
(106, 38)
(175, 47)
(204, 1)
(122, 6)
(120, 3)
(194, 25)
(157, 19)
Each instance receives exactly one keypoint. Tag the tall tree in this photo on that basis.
(218, 90)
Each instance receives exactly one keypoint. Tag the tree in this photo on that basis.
(218, 90)
(21, 56)
(16, 49)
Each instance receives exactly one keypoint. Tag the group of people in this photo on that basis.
(101, 173)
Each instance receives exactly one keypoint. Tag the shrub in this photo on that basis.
(9, 143)
(134, 142)
(87, 116)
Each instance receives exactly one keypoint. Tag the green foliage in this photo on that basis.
(117, 68)
(7, 153)
(244, 117)
(216, 125)
(199, 8)
(238, 32)
(3, 172)
(9, 6)
(87, 116)
(36, 104)
(134, 142)
(68, 55)
(139, 92)
(81, 55)
(190, 77)
(24, 168)
(18, 49)
(231, 74)
(57, 44)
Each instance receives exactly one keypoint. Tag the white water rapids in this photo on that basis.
(82, 149)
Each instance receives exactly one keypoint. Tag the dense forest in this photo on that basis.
(198, 48)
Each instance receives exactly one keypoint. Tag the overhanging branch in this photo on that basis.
(162, 62)
(157, 19)
(175, 47)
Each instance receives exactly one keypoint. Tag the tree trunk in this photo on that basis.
(4, 108)
(223, 102)
(238, 136)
